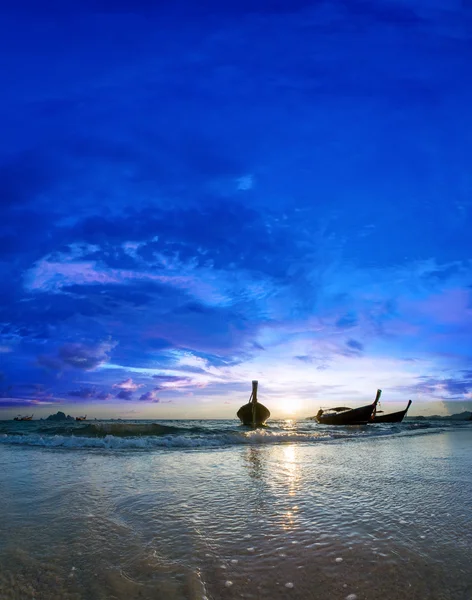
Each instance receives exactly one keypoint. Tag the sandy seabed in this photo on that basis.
(386, 518)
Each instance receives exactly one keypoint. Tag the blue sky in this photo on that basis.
(195, 196)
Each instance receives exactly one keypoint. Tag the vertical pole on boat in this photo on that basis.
(377, 398)
(254, 401)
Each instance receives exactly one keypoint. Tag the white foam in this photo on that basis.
(111, 442)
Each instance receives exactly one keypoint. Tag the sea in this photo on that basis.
(209, 510)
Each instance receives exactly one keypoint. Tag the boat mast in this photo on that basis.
(376, 401)
(254, 402)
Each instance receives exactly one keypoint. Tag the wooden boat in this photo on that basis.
(20, 418)
(396, 417)
(342, 415)
(81, 418)
(253, 414)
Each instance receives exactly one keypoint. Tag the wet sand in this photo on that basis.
(378, 518)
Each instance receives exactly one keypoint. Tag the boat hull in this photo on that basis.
(396, 417)
(245, 414)
(348, 416)
(355, 416)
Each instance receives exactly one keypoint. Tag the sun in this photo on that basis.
(290, 406)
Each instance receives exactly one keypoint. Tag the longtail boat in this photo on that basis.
(253, 414)
(396, 417)
(81, 418)
(342, 415)
(20, 418)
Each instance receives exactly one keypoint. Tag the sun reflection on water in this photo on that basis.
(291, 476)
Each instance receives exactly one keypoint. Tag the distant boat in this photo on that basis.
(20, 418)
(342, 415)
(396, 417)
(253, 414)
(80, 418)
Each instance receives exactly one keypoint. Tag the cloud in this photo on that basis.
(245, 183)
(83, 393)
(91, 394)
(347, 321)
(125, 395)
(355, 345)
(26, 402)
(169, 382)
(128, 385)
(78, 356)
(304, 358)
(445, 388)
(150, 396)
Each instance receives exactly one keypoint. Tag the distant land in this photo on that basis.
(463, 416)
(60, 416)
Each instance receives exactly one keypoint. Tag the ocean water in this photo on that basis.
(149, 435)
(208, 509)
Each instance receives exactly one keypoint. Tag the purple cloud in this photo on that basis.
(87, 358)
(150, 396)
(77, 356)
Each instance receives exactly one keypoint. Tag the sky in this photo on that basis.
(195, 195)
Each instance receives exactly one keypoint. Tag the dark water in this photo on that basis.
(372, 513)
(197, 434)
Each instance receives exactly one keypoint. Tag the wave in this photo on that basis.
(147, 436)
(128, 429)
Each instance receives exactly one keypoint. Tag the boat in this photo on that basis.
(253, 414)
(20, 418)
(80, 418)
(396, 417)
(343, 415)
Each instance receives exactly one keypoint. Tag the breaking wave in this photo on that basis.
(106, 435)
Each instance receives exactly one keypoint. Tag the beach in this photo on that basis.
(357, 513)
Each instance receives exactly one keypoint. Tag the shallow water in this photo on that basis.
(241, 520)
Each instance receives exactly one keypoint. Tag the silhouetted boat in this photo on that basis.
(253, 414)
(80, 418)
(20, 418)
(396, 417)
(342, 415)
